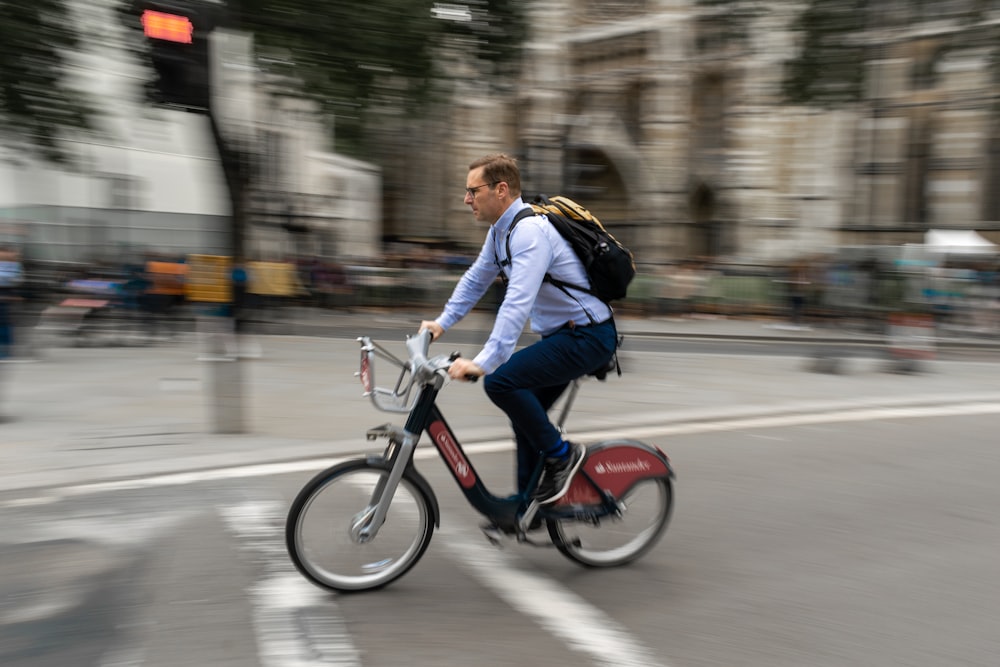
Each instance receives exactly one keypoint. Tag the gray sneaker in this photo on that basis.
(557, 475)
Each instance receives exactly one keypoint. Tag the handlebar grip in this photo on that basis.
(469, 377)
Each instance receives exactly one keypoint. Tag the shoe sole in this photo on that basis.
(569, 481)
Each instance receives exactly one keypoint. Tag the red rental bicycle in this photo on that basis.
(361, 524)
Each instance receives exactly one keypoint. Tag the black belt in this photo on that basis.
(573, 325)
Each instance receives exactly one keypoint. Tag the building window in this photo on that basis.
(122, 191)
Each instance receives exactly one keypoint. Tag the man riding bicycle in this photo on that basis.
(578, 333)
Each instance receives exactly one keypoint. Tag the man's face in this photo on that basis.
(484, 199)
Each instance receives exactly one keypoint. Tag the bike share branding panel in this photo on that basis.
(615, 469)
(445, 443)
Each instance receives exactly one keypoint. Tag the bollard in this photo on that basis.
(223, 374)
(224, 398)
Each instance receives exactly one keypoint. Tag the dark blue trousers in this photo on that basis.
(531, 381)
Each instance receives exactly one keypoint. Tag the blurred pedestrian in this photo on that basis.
(678, 289)
(11, 276)
(164, 296)
(796, 282)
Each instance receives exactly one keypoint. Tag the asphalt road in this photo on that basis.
(849, 537)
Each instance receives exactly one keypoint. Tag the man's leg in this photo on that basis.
(527, 456)
(553, 361)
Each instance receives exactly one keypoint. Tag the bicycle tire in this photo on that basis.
(317, 531)
(595, 545)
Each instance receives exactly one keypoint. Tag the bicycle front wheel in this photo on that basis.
(322, 528)
(616, 541)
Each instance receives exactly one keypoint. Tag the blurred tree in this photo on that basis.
(38, 107)
(830, 67)
(353, 58)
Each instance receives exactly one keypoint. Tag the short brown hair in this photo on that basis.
(499, 167)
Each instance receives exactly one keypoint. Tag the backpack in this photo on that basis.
(609, 265)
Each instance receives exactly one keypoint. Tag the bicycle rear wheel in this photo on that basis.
(320, 531)
(618, 540)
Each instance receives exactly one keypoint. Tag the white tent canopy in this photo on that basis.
(959, 242)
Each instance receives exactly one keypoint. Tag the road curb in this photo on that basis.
(317, 451)
(327, 330)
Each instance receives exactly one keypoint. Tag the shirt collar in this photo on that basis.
(502, 224)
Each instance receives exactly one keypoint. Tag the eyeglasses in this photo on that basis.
(472, 191)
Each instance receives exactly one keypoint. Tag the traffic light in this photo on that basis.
(177, 36)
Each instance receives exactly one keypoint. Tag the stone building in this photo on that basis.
(677, 135)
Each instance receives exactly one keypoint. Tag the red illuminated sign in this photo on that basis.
(169, 27)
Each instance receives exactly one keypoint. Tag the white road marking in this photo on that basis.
(296, 624)
(638, 433)
(802, 419)
(569, 617)
(124, 657)
(110, 528)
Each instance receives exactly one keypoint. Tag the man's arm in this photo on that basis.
(531, 257)
(474, 283)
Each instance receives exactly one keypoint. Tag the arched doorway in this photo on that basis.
(705, 239)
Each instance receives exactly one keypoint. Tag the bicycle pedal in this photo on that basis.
(494, 535)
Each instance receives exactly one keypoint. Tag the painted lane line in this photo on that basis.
(583, 627)
(776, 421)
(638, 433)
(567, 616)
(295, 624)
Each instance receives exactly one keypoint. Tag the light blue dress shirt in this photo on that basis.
(536, 249)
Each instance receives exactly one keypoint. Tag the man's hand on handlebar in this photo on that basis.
(436, 330)
(464, 370)
(460, 369)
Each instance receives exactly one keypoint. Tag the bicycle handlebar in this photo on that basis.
(418, 347)
(418, 371)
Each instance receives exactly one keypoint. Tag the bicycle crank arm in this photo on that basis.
(528, 517)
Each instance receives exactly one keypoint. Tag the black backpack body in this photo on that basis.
(609, 265)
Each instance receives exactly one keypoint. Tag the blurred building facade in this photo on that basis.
(665, 122)
(674, 130)
(150, 181)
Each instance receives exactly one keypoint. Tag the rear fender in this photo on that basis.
(615, 466)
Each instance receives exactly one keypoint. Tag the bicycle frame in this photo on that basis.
(610, 469)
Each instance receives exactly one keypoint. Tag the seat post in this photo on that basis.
(568, 404)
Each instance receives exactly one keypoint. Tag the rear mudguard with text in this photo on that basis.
(614, 466)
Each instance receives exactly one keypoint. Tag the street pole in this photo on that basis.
(233, 135)
(189, 74)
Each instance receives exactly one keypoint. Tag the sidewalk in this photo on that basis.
(318, 322)
(86, 414)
